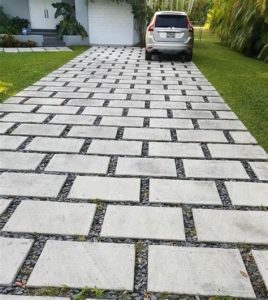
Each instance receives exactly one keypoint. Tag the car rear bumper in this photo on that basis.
(167, 47)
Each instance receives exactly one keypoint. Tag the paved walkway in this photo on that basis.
(131, 177)
(35, 49)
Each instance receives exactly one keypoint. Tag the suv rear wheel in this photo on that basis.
(189, 56)
(148, 55)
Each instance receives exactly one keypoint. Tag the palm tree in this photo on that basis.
(242, 24)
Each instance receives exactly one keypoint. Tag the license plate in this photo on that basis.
(171, 35)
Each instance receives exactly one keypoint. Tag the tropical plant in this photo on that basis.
(17, 24)
(68, 25)
(242, 25)
(199, 10)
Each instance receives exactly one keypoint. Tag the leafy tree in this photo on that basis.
(242, 25)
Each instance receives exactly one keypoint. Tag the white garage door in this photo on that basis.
(110, 23)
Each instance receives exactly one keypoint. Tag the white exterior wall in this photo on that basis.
(16, 8)
(81, 11)
(110, 23)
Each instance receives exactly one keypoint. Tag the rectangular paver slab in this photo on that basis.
(106, 188)
(237, 151)
(142, 112)
(4, 204)
(45, 101)
(171, 123)
(248, 193)
(243, 137)
(52, 109)
(192, 114)
(20, 161)
(183, 191)
(39, 129)
(71, 95)
(175, 150)
(214, 169)
(103, 111)
(16, 108)
(76, 264)
(35, 94)
(222, 124)
(160, 223)
(85, 102)
(5, 126)
(146, 167)
(167, 105)
(198, 271)
(261, 259)
(210, 106)
(122, 121)
(261, 169)
(25, 117)
(52, 218)
(93, 132)
(212, 136)
(11, 142)
(115, 147)
(78, 164)
(31, 185)
(231, 226)
(147, 134)
(10, 264)
(46, 144)
(73, 120)
(127, 104)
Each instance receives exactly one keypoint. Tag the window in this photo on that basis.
(176, 21)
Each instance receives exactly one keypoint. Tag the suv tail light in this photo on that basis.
(151, 26)
(189, 25)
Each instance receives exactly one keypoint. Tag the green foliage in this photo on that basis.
(167, 4)
(16, 24)
(86, 292)
(9, 41)
(11, 25)
(241, 24)
(69, 25)
(53, 291)
(264, 53)
(4, 20)
(199, 11)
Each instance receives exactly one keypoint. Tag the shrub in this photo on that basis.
(16, 24)
(30, 44)
(10, 41)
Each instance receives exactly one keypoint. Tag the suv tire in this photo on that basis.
(189, 56)
(148, 55)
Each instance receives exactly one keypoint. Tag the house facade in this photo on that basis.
(107, 22)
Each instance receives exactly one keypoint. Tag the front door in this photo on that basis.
(42, 14)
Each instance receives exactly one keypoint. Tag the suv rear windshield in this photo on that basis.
(176, 21)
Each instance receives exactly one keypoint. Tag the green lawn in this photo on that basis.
(241, 81)
(19, 70)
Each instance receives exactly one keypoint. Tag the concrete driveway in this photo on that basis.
(131, 177)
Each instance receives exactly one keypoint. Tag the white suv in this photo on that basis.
(170, 32)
